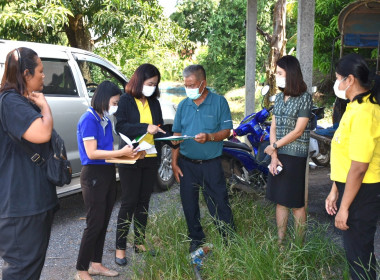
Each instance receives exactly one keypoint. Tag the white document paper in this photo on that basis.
(126, 139)
(151, 150)
(144, 146)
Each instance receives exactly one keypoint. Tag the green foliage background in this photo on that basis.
(195, 16)
(127, 32)
(225, 60)
(224, 56)
(210, 32)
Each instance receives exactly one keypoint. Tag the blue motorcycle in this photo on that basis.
(246, 168)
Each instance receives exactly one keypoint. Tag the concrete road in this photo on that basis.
(67, 230)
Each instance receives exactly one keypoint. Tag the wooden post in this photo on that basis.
(305, 47)
(250, 57)
(305, 39)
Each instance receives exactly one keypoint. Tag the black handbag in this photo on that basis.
(58, 167)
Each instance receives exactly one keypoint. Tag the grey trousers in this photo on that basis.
(23, 245)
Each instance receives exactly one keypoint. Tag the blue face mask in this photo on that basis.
(193, 93)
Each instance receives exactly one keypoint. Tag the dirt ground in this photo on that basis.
(319, 187)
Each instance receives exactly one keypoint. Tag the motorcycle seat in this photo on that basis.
(324, 139)
(243, 146)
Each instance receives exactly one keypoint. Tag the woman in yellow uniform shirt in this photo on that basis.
(139, 112)
(355, 165)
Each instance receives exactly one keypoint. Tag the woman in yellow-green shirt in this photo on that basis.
(355, 165)
(139, 112)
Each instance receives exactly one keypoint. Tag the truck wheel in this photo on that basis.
(165, 173)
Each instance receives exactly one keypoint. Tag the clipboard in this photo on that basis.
(125, 159)
(175, 138)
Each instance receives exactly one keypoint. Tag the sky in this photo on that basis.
(169, 6)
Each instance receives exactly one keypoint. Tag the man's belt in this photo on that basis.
(197, 161)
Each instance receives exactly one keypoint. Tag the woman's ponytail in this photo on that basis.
(375, 91)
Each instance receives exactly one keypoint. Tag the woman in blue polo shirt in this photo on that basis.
(98, 180)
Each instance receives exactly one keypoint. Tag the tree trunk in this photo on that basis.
(78, 33)
(277, 45)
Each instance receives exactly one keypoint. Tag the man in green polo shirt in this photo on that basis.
(196, 164)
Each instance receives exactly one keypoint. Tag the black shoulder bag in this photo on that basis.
(58, 167)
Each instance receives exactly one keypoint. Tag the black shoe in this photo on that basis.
(152, 252)
(121, 262)
(194, 245)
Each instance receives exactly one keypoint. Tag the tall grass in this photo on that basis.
(252, 254)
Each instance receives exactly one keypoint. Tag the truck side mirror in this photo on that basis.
(264, 90)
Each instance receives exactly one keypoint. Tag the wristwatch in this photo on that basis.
(212, 138)
(274, 145)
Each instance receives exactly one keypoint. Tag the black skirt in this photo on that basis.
(288, 187)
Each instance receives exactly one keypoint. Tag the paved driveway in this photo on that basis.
(67, 231)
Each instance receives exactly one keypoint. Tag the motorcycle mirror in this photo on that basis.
(265, 90)
(272, 98)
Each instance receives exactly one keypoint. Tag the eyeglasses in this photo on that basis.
(194, 85)
(342, 79)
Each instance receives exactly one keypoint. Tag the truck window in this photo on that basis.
(59, 80)
(93, 74)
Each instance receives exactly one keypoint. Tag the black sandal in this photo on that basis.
(138, 250)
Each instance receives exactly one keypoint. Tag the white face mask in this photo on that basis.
(193, 93)
(111, 111)
(148, 90)
(280, 82)
(340, 93)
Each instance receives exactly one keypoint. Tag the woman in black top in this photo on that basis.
(139, 112)
(27, 198)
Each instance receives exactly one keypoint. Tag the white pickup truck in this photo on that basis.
(71, 77)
